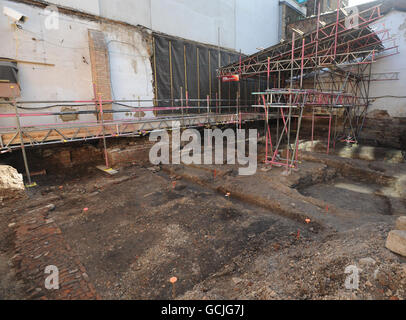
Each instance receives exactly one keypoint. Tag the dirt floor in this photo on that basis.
(224, 236)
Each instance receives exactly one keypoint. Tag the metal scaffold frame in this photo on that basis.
(323, 74)
(19, 136)
(188, 116)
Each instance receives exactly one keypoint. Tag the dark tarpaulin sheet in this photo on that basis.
(192, 80)
(162, 71)
(178, 80)
(200, 79)
(213, 78)
(203, 75)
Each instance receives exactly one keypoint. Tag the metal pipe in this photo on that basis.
(106, 158)
(27, 170)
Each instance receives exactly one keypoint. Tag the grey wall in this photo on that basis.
(244, 24)
(68, 50)
(257, 24)
(235, 24)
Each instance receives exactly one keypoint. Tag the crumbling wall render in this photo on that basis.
(131, 68)
(74, 69)
(66, 48)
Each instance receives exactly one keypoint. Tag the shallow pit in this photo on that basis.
(350, 195)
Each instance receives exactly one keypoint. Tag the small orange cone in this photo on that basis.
(173, 280)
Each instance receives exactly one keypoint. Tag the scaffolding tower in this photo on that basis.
(324, 73)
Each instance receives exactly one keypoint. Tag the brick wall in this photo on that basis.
(39, 243)
(388, 132)
(100, 68)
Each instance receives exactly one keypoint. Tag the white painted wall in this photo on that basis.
(396, 22)
(67, 48)
(130, 69)
(71, 77)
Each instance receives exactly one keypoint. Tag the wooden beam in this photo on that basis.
(28, 62)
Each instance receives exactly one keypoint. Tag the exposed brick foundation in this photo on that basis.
(70, 156)
(40, 243)
(388, 132)
(128, 154)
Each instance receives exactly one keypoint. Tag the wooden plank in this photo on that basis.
(29, 62)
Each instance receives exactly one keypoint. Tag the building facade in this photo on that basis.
(104, 48)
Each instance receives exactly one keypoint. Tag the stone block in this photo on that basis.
(11, 183)
(396, 242)
(401, 223)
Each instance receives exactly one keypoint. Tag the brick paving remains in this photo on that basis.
(39, 243)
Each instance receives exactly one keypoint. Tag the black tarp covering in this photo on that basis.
(199, 79)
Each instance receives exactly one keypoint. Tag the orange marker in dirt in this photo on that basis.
(86, 209)
(308, 221)
(173, 280)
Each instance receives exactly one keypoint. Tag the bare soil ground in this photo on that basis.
(223, 236)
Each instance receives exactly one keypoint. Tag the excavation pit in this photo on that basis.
(350, 195)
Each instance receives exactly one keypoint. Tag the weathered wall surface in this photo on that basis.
(68, 49)
(243, 25)
(129, 48)
(130, 68)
